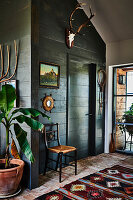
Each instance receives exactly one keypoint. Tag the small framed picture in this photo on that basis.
(13, 83)
(49, 75)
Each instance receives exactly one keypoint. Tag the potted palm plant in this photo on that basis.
(127, 118)
(11, 170)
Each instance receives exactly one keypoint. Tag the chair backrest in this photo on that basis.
(51, 135)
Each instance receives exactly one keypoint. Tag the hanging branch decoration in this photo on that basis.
(101, 82)
(3, 76)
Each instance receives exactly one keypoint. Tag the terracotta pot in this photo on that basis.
(10, 178)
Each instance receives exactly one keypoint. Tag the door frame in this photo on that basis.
(108, 104)
(114, 102)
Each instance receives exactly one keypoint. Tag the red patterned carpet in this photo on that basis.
(115, 183)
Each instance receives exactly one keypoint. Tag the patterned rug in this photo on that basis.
(115, 183)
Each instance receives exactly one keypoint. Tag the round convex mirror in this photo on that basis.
(48, 103)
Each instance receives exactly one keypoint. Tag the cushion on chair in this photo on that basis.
(62, 149)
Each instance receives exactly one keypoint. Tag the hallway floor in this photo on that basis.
(86, 166)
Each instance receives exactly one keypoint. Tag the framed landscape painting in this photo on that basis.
(49, 75)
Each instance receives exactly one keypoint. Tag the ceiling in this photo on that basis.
(113, 20)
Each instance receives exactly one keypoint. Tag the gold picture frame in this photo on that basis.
(49, 75)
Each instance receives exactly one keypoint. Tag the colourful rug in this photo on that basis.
(115, 183)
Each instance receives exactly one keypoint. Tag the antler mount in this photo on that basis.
(70, 34)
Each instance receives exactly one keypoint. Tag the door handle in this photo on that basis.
(90, 114)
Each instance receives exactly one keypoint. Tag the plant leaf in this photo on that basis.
(34, 124)
(14, 150)
(30, 111)
(7, 98)
(1, 116)
(23, 142)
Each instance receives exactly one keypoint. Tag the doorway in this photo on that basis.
(123, 108)
(79, 111)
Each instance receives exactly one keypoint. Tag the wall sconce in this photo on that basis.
(122, 79)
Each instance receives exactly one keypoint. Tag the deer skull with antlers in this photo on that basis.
(70, 34)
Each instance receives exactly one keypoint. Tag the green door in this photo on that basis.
(78, 105)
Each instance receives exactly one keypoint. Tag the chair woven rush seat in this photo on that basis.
(62, 149)
(52, 136)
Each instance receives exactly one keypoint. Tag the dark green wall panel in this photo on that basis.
(40, 28)
(52, 23)
(15, 24)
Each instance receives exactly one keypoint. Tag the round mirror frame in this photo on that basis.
(45, 103)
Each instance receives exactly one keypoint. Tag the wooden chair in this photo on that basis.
(52, 136)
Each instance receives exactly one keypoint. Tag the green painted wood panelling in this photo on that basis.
(39, 26)
(15, 24)
(52, 23)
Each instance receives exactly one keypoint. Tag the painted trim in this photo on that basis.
(108, 104)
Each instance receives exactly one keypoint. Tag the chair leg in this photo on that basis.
(75, 162)
(60, 171)
(57, 162)
(46, 162)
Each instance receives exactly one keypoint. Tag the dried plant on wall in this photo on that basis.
(3, 76)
